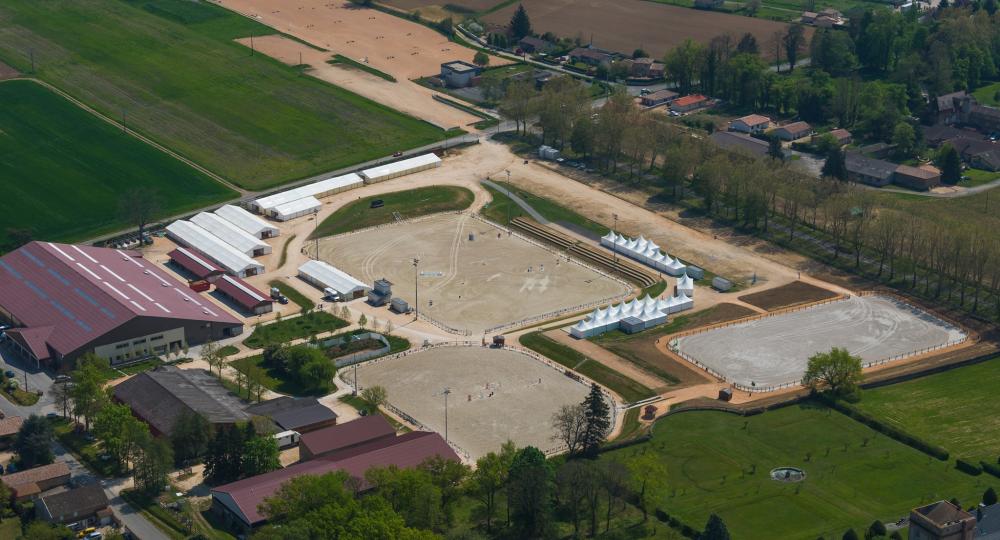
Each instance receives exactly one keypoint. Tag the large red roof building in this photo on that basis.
(67, 300)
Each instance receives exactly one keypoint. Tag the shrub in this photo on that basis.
(990, 468)
(968, 467)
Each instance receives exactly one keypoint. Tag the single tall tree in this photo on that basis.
(153, 462)
(486, 482)
(794, 41)
(62, 395)
(570, 423)
(87, 391)
(520, 24)
(951, 165)
(33, 444)
(190, 438)
(989, 497)
(481, 59)
(835, 165)
(529, 494)
(139, 206)
(774, 149)
(715, 529)
(598, 416)
(837, 370)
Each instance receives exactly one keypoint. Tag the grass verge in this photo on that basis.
(363, 406)
(551, 210)
(339, 59)
(284, 252)
(409, 204)
(20, 397)
(285, 330)
(293, 294)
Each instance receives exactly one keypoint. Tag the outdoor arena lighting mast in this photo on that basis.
(416, 288)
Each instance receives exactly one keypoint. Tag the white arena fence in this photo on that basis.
(558, 449)
(674, 348)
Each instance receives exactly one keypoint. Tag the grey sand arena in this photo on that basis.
(776, 350)
(496, 394)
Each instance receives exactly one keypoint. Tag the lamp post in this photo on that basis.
(316, 228)
(446, 392)
(614, 241)
(416, 288)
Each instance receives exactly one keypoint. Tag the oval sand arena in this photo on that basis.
(496, 394)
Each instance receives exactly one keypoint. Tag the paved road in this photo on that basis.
(519, 201)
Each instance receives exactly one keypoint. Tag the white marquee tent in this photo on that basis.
(644, 251)
(401, 168)
(316, 190)
(228, 257)
(650, 311)
(296, 208)
(685, 284)
(325, 276)
(247, 221)
(247, 243)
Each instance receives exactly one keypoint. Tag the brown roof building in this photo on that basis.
(237, 503)
(336, 438)
(919, 178)
(941, 521)
(246, 296)
(31, 482)
(793, 131)
(9, 427)
(74, 506)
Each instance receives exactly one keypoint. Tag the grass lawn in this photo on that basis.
(292, 293)
(551, 210)
(628, 389)
(285, 330)
(719, 462)
(176, 72)
(20, 397)
(977, 177)
(987, 95)
(274, 379)
(956, 410)
(410, 204)
(361, 405)
(228, 350)
(64, 169)
(10, 528)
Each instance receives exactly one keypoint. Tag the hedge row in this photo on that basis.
(968, 467)
(676, 524)
(886, 429)
(990, 468)
(625, 444)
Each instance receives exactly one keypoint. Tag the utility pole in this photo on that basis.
(416, 288)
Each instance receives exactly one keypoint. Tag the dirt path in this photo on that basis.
(403, 95)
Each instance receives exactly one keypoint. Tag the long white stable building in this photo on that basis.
(330, 279)
(401, 168)
(231, 259)
(644, 251)
(297, 208)
(247, 243)
(316, 190)
(648, 312)
(247, 221)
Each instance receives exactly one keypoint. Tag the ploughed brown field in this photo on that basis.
(625, 25)
(790, 294)
(474, 5)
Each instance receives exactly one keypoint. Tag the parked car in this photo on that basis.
(9, 374)
(377, 203)
(397, 154)
(62, 379)
(283, 300)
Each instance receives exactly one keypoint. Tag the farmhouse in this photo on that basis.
(919, 178)
(949, 106)
(459, 74)
(159, 397)
(752, 124)
(66, 300)
(591, 56)
(238, 503)
(658, 98)
(841, 135)
(793, 131)
(531, 44)
(689, 103)
(87, 505)
(646, 68)
(31, 482)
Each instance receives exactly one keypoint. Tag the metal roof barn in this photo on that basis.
(298, 208)
(247, 221)
(249, 244)
(324, 276)
(318, 190)
(401, 168)
(194, 262)
(244, 294)
(230, 258)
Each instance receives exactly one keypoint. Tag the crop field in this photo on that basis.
(787, 295)
(172, 69)
(956, 410)
(625, 25)
(63, 170)
(720, 463)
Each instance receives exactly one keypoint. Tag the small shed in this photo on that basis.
(499, 341)
(721, 284)
(399, 305)
(695, 272)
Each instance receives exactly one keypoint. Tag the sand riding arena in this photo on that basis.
(495, 395)
(474, 277)
(772, 352)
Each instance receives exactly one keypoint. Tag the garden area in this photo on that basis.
(286, 330)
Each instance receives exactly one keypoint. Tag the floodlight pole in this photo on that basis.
(315, 229)
(614, 242)
(508, 196)
(446, 392)
(416, 288)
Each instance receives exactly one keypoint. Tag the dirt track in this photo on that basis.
(625, 25)
(402, 95)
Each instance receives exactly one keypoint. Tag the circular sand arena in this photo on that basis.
(496, 394)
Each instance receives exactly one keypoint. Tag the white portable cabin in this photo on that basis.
(247, 243)
(287, 439)
(317, 190)
(233, 260)
(400, 168)
(298, 208)
(247, 221)
(324, 276)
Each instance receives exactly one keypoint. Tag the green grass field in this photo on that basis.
(956, 410)
(497, 210)
(63, 169)
(410, 204)
(174, 70)
(292, 293)
(720, 462)
(285, 330)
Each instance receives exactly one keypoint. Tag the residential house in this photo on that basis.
(919, 178)
(752, 124)
(86, 505)
(299, 414)
(793, 131)
(740, 143)
(591, 56)
(657, 70)
(531, 44)
(941, 521)
(986, 119)
(28, 483)
(977, 153)
(160, 396)
(640, 67)
(658, 98)
(459, 74)
(9, 426)
(689, 103)
(808, 17)
(841, 135)
(866, 170)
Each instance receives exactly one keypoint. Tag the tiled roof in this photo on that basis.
(342, 436)
(10, 425)
(36, 475)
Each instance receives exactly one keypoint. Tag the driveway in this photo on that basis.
(37, 379)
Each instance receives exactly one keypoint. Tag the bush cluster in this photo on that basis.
(968, 467)
(990, 468)
(678, 525)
